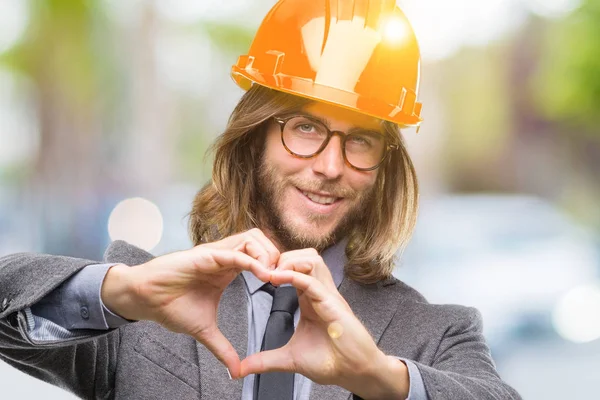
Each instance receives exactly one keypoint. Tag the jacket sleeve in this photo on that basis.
(463, 367)
(83, 365)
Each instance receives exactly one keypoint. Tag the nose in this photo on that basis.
(330, 162)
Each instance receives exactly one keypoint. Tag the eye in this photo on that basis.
(359, 140)
(306, 127)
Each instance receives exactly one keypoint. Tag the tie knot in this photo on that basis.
(285, 298)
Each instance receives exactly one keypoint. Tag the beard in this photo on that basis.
(272, 213)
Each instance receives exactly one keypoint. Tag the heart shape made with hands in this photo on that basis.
(329, 342)
(181, 291)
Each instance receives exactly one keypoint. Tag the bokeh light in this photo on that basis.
(577, 314)
(13, 22)
(137, 221)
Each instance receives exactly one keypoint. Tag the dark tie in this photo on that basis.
(280, 328)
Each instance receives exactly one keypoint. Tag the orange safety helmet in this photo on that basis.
(359, 54)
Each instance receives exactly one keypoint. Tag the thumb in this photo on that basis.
(278, 360)
(218, 344)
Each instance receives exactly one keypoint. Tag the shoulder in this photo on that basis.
(410, 302)
(123, 252)
(429, 330)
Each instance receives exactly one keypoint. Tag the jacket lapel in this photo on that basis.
(374, 305)
(232, 319)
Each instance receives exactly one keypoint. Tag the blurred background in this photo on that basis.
(107, 108)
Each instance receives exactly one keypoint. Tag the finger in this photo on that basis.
(218, 344)
(244, 242)
(302, 253)
(310, 285)
(241, 261)
(302, 265)
(255, 249)
(309, 263)
(253, 242)
(267, 244)
(328, 304)
(278, 360)
(229, 242)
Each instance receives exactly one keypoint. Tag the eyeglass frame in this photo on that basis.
(330, 133)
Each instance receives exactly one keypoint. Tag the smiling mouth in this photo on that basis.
(320, 199)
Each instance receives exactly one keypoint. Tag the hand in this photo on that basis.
(330, 345)
(181, 291)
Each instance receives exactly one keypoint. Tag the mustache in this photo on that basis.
(333, 189)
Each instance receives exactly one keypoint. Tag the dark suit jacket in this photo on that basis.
(143, 360)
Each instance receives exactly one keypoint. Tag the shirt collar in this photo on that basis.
(333, 256)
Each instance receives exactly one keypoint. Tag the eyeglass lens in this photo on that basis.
(305, 137)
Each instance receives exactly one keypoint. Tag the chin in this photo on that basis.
(316, 227)
(307, 234)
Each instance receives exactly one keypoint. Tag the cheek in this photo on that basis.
(277, 156)
(272, 141)
(362, 181)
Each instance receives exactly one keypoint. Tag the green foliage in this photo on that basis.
(476, 101)
(59, 47)
(568, 85)
(229, 38)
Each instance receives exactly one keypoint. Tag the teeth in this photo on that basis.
(319, 199)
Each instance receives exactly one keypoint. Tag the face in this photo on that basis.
(313, 202)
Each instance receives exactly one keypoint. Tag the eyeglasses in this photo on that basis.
(306, 137)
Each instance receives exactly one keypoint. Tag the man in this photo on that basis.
(312, 187)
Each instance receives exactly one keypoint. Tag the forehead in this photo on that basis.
(340, 118)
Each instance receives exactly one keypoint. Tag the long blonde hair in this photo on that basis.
(228, 204)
